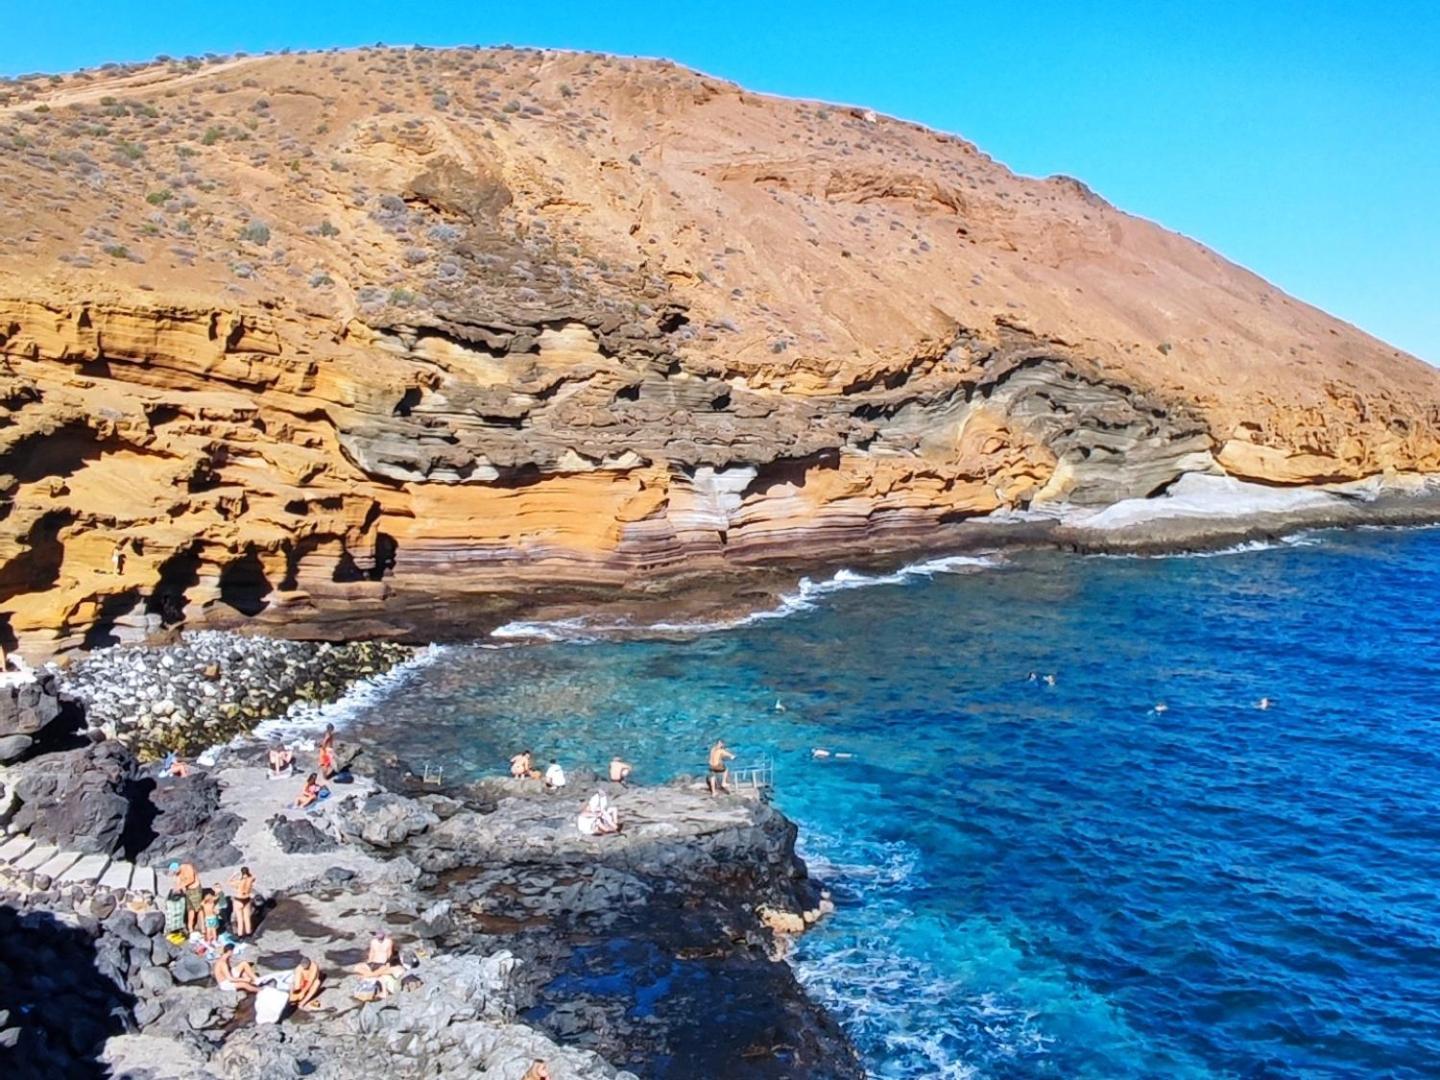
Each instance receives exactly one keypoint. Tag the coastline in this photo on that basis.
(526, 928)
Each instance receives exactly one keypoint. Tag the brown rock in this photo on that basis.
(595, 322)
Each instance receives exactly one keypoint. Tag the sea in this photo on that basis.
(1081, 816)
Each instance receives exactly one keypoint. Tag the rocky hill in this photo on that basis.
(321, 332)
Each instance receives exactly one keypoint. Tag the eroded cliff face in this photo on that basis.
(318, 331)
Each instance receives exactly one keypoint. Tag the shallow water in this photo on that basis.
(1058, 881)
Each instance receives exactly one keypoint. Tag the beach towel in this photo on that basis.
(270, 1004)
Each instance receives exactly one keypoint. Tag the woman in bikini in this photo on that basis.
(243, 886)
(310, 792)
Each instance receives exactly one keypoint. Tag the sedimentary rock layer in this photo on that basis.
(299, 333)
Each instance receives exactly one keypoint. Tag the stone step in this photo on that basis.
(144, 880)
(41, 853)
(15, 847)
(117, 875)
(86, 871)
(58, 864)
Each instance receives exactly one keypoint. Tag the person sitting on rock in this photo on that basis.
(174, 765)
(522, 766)
(305, 984)
(234, 975)
(598, 817)
(282, 761)
(554, 777)
(187, 883)
(620, 770)
(243, 885)
(380, 958)
(538, 1070)
(719, 777)
(312, 792)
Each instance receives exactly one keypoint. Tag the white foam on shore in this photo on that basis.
(1301, 539)
(582, 629)
(307, 717)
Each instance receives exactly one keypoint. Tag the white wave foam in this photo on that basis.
(909, 1018)
(1301, 539)
(582, 629)
(305, 717)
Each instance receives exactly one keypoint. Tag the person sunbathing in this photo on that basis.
(380, 958)
(538, 1070)
(312, 792)
(231, 974)
(620, 770)
(598, 817)
(282, 760)
(305, 984)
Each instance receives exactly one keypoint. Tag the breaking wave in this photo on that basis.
(807, 594)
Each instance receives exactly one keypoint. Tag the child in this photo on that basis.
(210, 911)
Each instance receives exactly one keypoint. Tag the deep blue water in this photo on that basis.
(1061, 881)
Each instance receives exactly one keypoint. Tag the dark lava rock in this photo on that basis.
(78, 799)
(190, 967)
(28, 708)
(59, 994)
(188, 822)
(14, 747)
(297, 836)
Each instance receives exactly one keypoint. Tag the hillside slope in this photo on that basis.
(309, 331)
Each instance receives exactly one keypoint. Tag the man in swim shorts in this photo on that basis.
(719, 778)
(232, 975)
(187, 882)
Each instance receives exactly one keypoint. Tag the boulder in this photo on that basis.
(154, 980)
(188, 822)
(150, 921)
(147, 1011)
(189, 968)
(27, 708)
(386, 820)
(299, 836)
(77, 799)
(14, 747)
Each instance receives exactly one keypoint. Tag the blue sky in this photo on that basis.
(1300, 139)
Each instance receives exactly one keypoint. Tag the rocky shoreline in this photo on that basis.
(658, 951)
(210, 686)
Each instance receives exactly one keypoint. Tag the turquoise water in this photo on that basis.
(1061, 880)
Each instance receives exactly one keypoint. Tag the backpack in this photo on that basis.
(175, 914)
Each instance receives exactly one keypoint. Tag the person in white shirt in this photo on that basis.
(554, 776)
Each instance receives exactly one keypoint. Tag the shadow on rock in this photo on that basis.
(58, 1003)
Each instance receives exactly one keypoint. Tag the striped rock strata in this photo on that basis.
(330, 332)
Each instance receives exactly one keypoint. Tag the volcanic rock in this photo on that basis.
(311, 342)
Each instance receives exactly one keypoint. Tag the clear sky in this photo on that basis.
(1300, 139)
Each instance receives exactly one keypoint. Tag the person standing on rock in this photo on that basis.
(243, 885)
(187, 884)
(326, 761)
(719, 778)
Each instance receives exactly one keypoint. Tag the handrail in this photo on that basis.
(760, 775)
